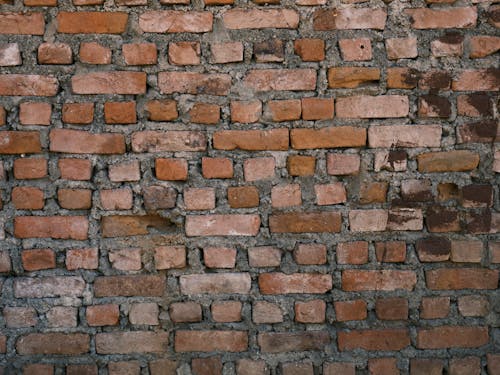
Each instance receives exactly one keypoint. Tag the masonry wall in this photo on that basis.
(249, 188)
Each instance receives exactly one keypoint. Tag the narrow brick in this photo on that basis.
(102, 315)
(92, 22)
(171, 169)
(78, 113)
(10, 54)
(280, 283)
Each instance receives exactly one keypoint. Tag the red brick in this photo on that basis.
(205, 113)
(280, 342)
(140, 53)
(391, 251)
(226, 311)
(25, 24)
(38, 259)
(404, 136)
(483, 45)
(310, 312)
(266, 313)
(223, 53)
(309, 254)
(170, 140)
(171, 169)
(256, 169)
(317, 108)
(128, 286)
(434, 307)
(94, 53)
(246, 112)
(442, 18)
(280, 283)
(283, 110)
(167, 257)
(352, 252)
(78, 113)
(464, 366)
(120, 113)
(261, 19)
(35, 113)
(401, 48)
(59, 227)
(243, 196)
(356, 49)
(10, 54)
(461, 278)
(476, 80)
(184, 53)
(286, 195)
(207, 366)
(310, 49)
(102, 315)
(329, 194)
(117, 82)
(372, 106)
(173, 21)
(391, 308)
(131, 342)
(125, 259)
(281, 79)
(219, 257)
(194, 83)
(217, 167)
(301, 165)
(19, 142)
(82, 142)
(75, 199)
(27, 198)
(452, 337)
(383, 280)
(30, 168)
(53, 343)
(264, 256)
(132, 225)
(222, 225)
(251, 140)
(92, 22)
(28, 85)
(349, 18)
(330, 137)
(55, 53)
(116, 199)
(307, 222)
(185, 312)
(87, 259)
(209, 341)
(162, 110)
(447, 161)
(379, 339)
(354, 77)
(19, 317)
(215, 283)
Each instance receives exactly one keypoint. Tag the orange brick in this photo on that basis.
(217, 167)
(31, 168)
(120, 113)
(171, 169)
(140, 53)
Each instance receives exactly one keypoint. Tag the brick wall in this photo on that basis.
(249, 188)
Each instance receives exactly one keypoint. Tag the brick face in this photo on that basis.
(278, 187)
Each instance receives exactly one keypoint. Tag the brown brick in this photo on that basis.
(207, 366)
(423, 366)
(92, 22)
(391, 308)
(19, 142)
(391, 251)
(350, 310)
(171, 169)
(280, 283)
(50, 286)
(219, 257)
(264, 256)
(434, 307)
(167, 257)
(226, 311)
(124, 368)
(461, 278)
(476, 80)
(309, 254)
(310, 49)
(243, 196)
(28, 85)
(266, 313)
(35, 113)
(464, 366)
(131, 342)
(349, 18)
(173, 21)
(269, 50)
(75, 199)
(75, 169)
(120, 113)
(334, 368)
(246, 112)
(127, 286)
(280, 342)
(116, 199)
(301, 165)
(55, 54)
(87, 258)
(374, 192)
(205, 113)
(215, 283)
(38, 369)
(352, 77)
(383, 280)
(130, 225)
(223, 53)
(379, 339)
(401, 48)
(30, 168)
(307, 222)
(352, 252)
(27, 198)
(170, 140)
(452, 337)
(447, 161)
(185, 312)
(162, 110)
(38, 259)
(25, 24)
(208, 341)
(473, 305)
(53, 344)
(310, 311)
(163, 366)
(78, 113)
(102, 315)
(251, 140)
(283, 110)
(483, 45)
(184, 53)
(261, 18)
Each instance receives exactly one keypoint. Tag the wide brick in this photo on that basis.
(38, 259)
(384, 106)
(251, 140)
(173, 21)
(215, 283)
(461, 278)
(330, 137)
(114, 82)
(349, 18)
(222, 225)
(28, 85)
(170, 140)
(50, 286)
(306, 222)
(280, 342)
(376, 339)
(92, 22)
(19, 23)
(210, 341)
(171, 169)
(19, 142)
(261, 18)
(130, 225)
(404, 136)
(442, 18)
(476, 80)
(131, 342)
(281, 79)
(352, 77)
(53, 344)
(59, 227)
(128, 286)
(447, 161)
(452, 337)
(280, 283)
(194, 83)
(383, 280)
(83, 142)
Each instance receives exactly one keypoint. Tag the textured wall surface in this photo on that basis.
(301, 187)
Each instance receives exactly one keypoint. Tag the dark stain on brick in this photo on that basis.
(324, 19)
(479, 222)
(441, 219)
(478, 194)
(494, 15)
(452, 38)
(411, 77)
(435, 246)
(481, 102)
(492, 74)
(439, 105)
(482, 131)
(269, 50)
(447, 191)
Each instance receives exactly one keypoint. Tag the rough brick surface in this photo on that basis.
(254, 187)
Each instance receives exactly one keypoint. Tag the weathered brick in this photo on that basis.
(251, 140)
(421, 366)
(28, 85)
(243, 196)
(226, 311)
(483, 45)
(185, 312)
(94, 53)
(206, 366)
(280, 283)
(125, 259)
(87, 258)
(307, 222)
(372, 106)
(473, 305)
(78, 113)
(224, 53)
(38, 369)
(401, 48)
(75, 199)
(114, 82)
(144, 313)
(390, 251)
(140, 53)
(62, 227)
(329, 137)
(102, 315)
(171, 169)
(184, 53)
(215, 283)
(433, 249)
(352, 252)
(270, 50)
(286, 195)
(205, 113)
(209, 341)
(199, 198)
(219, 257)
(173, 21)
(24, 24)
(376, 339)
(349, 18)
(130, 225)
(447, 161)
(92, 22)
(19, 142)
(83, 142)
(283, 110)
(404, 136)
(355, 49)
(301, 165)
(383, 280)
(391, 308)
(262, 168)
(281, 79)
(126, 171)
(466, 365)
(53, 344)
(35, 113)
(310, 49)
(217, 167)
(266, 313)
(334, 368)
(350, 310)
(49, 286)
(476, 80)
(170, 140)
(162, 110)
(461, 278)
(131, 342)
(10, 54)
(280, 342)
(19, 317)
(434, 307)
(261, 18)
(194, 83)
(373, 192)
(310, 312)
(374, 220)
(127, 286)
(27, 198)
(442, 18)
(38, 259)
(246, 112)
(116, 199)
(452, 337)
(450, 44)
(264, 256)
(55, 54)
